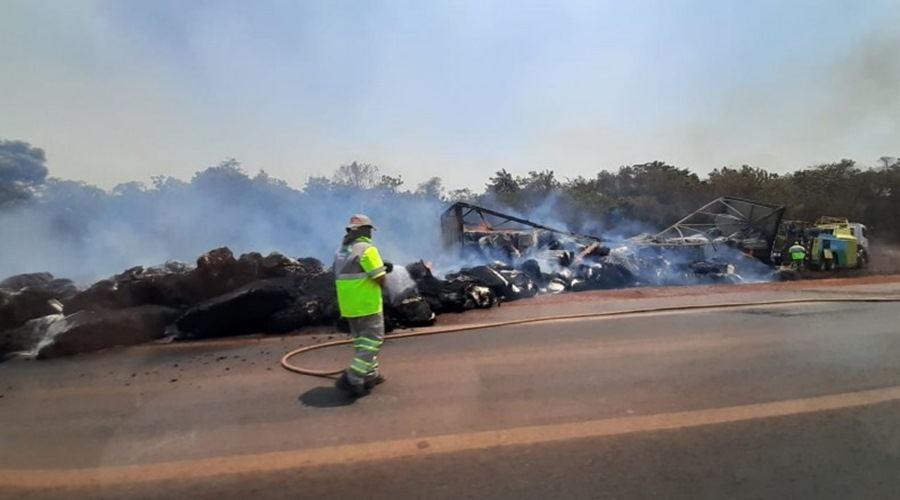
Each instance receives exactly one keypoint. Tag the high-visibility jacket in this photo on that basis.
(798, 252)
(356, 266)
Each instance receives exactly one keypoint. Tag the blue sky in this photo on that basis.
(122, 90)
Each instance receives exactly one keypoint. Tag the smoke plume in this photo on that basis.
(85, 234)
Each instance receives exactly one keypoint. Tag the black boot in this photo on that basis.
(355, 390)
(373, 380)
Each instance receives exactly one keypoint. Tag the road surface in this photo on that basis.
(799, 401)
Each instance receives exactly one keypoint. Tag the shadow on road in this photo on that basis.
(325, 397)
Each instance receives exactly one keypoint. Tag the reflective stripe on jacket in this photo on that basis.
(356, 266)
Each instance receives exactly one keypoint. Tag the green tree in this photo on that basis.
(503, 188)
(654, 193)
(22, 172)
(502, 182)
(536, 188)
(585, 205)
(317, 185)
(835, 189)
(129, 189)
(462, 194)
(357, 176)
(264, 181)
(884, 204)
(75, 205)
(389, 184)
(887, 162)
(744, 182)
(432, 189)
(227, 179)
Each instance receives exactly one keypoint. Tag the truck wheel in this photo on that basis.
(862, 258)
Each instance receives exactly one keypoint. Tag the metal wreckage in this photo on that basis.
(728, 240)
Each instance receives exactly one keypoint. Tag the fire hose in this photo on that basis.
(286, 364)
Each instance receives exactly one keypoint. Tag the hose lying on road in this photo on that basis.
(285, 360)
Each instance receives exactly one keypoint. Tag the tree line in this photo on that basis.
(650, 195)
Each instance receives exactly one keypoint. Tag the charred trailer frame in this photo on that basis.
(463, 225)
(751, 226)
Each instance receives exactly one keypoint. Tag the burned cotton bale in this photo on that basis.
(533, 270)
(245, 310)
(485, 276)
(545, 282)
(104, 294)
(28, 296)
(458, 294)
(172, 284)
(462, 294)
(26, 337)
(305, 311)
(30, 280)
(88, 331)
(603, 275)
(521, 286)
(409, 309)
(713, 272)
(311, 265)
(17, 308)
(315, 304)
(505, 283)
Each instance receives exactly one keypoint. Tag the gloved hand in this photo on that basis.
(388, 267)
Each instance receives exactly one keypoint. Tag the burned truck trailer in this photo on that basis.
(727, 240)
(746, 225)
(470, 230)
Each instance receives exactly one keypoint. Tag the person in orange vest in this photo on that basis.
(359, 276)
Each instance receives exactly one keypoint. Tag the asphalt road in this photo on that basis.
(768, 402)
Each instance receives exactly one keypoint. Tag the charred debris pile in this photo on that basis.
(220, 296)
(726, 241)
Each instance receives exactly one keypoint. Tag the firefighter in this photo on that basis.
(359, 276)
(798, 256)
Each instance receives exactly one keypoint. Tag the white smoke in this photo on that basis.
(398, 281)
(70, 238)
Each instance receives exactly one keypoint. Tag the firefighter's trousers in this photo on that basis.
(368, 335)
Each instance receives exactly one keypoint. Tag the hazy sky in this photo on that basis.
(122, 90)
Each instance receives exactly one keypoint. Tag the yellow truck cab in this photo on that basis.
(839, 244)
